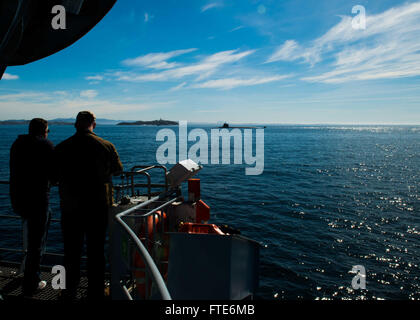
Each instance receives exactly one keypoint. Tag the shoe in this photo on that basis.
(42, 285)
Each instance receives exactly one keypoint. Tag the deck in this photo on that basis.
(11, 284)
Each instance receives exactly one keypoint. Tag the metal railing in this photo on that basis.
(24, 249)
(128, 183)
(139, 214)
(150, 262)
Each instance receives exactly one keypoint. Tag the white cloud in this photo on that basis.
(61, 92)
(89, 94)
(211, 6)
(178, 87)
(27, 105)
(147, 17)
(237, 28)
(157, 60)
(229, 83)
(8, 76)
(287, 52)
(388, 48)
(24, 96)
(97, 78)
(204, 68)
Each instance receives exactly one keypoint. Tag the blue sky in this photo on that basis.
(244, 61)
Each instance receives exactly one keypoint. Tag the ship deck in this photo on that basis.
(11, 284)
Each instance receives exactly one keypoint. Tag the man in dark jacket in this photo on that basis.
(31, 158)
(85, 165)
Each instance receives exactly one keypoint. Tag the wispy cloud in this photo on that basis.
(230, 83)
(388, 48)
(24, 96)
(27, 105)
(8, 76)
(202, 69)
(97, 78)
(211, 5)
(178, 87)
(237, 28)
(89, 94)
(157, 60)
(286, 52)
(61, 93)
(147, 17)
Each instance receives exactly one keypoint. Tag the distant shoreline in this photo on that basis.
(149, 123)
(26, 122)
(98, 121)
(168, 122)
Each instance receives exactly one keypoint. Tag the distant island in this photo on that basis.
(227, 126)
(149, 123)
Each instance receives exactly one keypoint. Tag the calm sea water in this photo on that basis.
(330, 197)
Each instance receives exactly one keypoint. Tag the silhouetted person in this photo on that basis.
(30, 175)
(85, 165)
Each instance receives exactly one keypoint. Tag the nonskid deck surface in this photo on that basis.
(11, 284)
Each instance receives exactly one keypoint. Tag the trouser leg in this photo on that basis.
(95, 236)
(37, 223)
(73, 236)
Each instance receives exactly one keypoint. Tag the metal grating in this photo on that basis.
(11, 285)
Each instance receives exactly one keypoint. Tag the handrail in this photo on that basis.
(127, 293)
(151, 266)
(128, 180)
(16, 217)
(157, 166)
(149, 181)
(149, 213)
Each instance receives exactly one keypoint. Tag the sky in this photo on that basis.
(243, 61)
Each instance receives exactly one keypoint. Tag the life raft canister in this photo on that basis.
(161, 251)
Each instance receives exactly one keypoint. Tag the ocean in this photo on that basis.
(330, 197)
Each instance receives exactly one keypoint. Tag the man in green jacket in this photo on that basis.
(85, 166)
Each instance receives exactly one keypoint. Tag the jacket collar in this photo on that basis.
(85, 132)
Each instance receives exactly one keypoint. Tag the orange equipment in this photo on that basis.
(161, 251)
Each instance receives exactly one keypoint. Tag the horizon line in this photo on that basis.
(248, 123)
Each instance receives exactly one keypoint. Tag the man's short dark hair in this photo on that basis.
(38, 127)
(84, 119)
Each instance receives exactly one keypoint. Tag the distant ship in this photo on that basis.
(227, 126)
